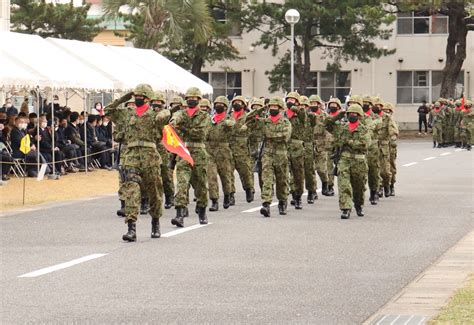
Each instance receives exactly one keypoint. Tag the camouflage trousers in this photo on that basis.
(166, 172)
(373, 163)
(321, 164)
(195, 176)
(275, 170)
(242, 164)
(467, 136)
(142, 176)
(309, 169)
(296, 159)
(351, 181)
(438, 134)
(393, 162)
(330, 168)
(448, 132)
(457, 134)
(220, 163)
(384, 159)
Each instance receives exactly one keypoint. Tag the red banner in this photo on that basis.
(174, 144)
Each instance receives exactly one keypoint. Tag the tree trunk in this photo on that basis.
(455, 48)
(197, 62)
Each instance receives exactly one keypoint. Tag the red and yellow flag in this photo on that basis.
(174, 144)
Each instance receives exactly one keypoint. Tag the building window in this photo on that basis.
(224, 83)
(335, 84)
(219, 12)
(416, 23)
(416, 86)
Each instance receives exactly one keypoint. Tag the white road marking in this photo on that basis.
(445, 153)
(422, 320)
(430, 158)
(408, 320)
(60, 266)
(393, 322)
(381, 320)
(273, 204)
(410, 164)
(183, 230)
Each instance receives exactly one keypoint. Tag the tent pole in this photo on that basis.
(37, 132)
(85, 130)
(52, 140)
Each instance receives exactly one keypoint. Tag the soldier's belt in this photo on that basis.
(195, 145)
(239, 138)
(146, 144)
(352, 155)
(218, 144)
(295, 141)
(384, 141)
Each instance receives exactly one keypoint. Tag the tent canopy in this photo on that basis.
(13, 74)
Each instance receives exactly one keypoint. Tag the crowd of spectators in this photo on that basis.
(75, 135)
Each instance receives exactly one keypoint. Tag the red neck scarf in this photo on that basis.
(218, 117)
(467, 110)
(290, 113)
(275, 118)
(238, 114)
(437, 110)
(142, 109)
(191, 111)
(369, 112)
(458, 108)
(318, 112)
(354, 126)
(334, 113)
(381, 113)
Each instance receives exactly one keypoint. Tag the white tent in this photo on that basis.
(58, 69)
(158, 65)
(14, 75)
(124, 73)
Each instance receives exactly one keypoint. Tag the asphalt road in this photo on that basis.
(307, 267)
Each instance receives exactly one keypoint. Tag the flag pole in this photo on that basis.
(24, 179)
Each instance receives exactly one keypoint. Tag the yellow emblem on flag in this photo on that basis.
(25, 145)
(170, 138)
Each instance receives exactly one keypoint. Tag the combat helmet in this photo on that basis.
(144, 90)
(222, 100)
(205, 102)
(356, 99)
(241, 98)
(377, 101)
(355, 108)
(177, 100)
(367, 99)
(388, 107)
(335, 100)
(458, 102)
(278, 101)
(258, 101)
(293, 94)
(315, 98)
(304, 100)
(193, 92)
(159, 95)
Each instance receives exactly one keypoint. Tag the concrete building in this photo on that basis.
(4, 15)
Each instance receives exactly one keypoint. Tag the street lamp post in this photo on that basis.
(292, 17)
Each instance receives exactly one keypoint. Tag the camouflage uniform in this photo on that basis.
(220, 156)
(193, 131)
(467, 126)
(240, 150)
(256, 138)
(141, 161)
(388, 108)
(436, 118)
(457, 115)
(309, 168)
(352, 165)
(331, 143)
(296, 151)
(275, 156)
(448, 126)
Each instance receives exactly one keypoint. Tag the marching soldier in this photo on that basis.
(309, 167)
(467, 126)
(192, 124)
(457, 115)
(388, 109)
(436, 121)
(141, 163)
(334, 108)
(205, 105)
(256, 137)
(220, 156)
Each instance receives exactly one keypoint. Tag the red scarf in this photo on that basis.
(218, 117)
(369, 112)
(275, 118)
(318, 112)
(458, 108)
(437, 110)
(467, 110)
(142, 109)
(191, 111)
(333, 114)
(353, 126)
(381, 113)
(238, 114)
(290, 113)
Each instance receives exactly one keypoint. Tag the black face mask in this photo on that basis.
(313, 108)
(365, 107)
(139, 101)
(237, 107)
(192, 103)
(333, 109)
(376, 110)
(3, 121)
(290, 105)
(352, 118)
(219, 108)
(274, 112)
(157, 106)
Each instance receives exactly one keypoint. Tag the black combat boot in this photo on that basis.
(121, 212)
(155, 228)
(282, 207)
(392, 190)
(232, 199)
(458, 145)
(324, 189)
(169, 202)
(359, 210)
(330, 191)
(373, 197)
(380, 193)
(386, 191)
(178, 221)
(468, 147)
(226, 203)
(186, 212)
(434, 144)
(311, 197)
(249, 194)
(202, 215)
(131, 235)
(145, 206)
(265, 209)
(346, 214)
(298, 203)
(293, 198)
(214, 205)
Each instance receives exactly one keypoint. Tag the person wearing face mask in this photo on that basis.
(158, 103)
(176, 104)
(275, 170)
(256, 137)
(46, 145)
(141, 161)
(99, 109)
(239, 144)
(220, 156)
(9, 108)
(66, 147)
(388, 109)
(192, 125)
(353, 140)
(205, 105)
(467, 126)
(320, 144)
(6, 160)
(436, 117)
(457, 114)
(298, 120)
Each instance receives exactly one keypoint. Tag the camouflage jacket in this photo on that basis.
(356, 142)
(298, 123)
(436, 118)
(321, 136)
(457, 116)
(467, 120)
(191, 129)
(220, 132)
(387, 130)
